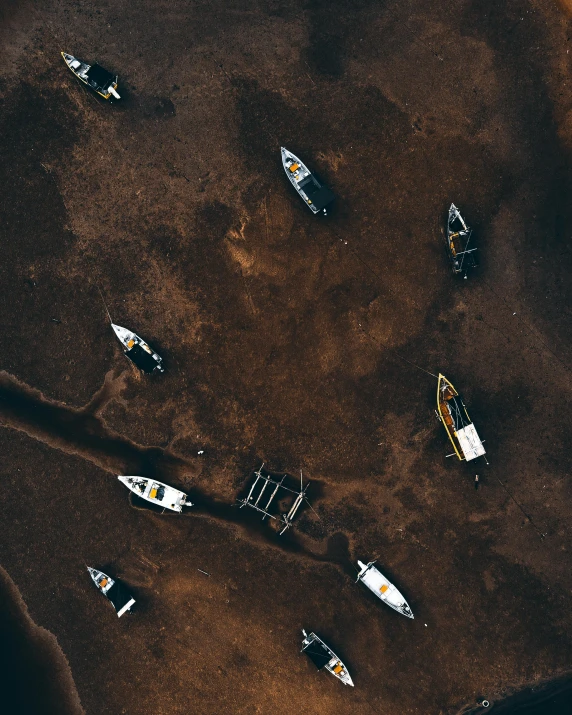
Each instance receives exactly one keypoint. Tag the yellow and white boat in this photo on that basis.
(94, 76)
(453, 414)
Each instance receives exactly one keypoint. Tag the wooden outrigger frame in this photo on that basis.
(286, 518)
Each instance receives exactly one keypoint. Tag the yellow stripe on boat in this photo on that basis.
(442, 377)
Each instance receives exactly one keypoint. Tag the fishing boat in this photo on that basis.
(324, 657)
(156, 492)
(137, 350)
(314, 194)
(98, 79)
(462, 258)
(453, 414)
(112, 590)
(383, 589)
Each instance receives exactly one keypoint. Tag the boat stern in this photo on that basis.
(363, 568)
(126, 607)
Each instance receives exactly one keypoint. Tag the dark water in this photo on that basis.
(34, 673)
(550, 699)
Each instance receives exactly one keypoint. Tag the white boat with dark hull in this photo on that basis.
(137, 350)
(383, 589)
(112, 590)
(314, 194)
(156, 492)
(94, 76)
(461, 256)
(324, 657)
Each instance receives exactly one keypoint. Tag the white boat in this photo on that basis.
(112, 590)
(324, 657)
(314, 194)
(156, 492)
(383, 589)
(137, 350)
(94, 76)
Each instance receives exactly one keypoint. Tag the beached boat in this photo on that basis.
(137, 350)
(461, 253)
(453, 414)
(324, 657)
(98, 79)
(383, 589)
(314, 194)
(156, 492)
(112, 590)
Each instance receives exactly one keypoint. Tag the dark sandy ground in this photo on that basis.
(280, 342)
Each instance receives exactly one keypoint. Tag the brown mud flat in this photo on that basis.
(283, 337)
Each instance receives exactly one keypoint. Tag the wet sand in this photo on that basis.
(285, 339)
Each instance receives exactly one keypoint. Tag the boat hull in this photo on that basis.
(461, 254)
(156, 492)
(324, 657)
(121, 600)
(316, 196)
(81, 70)
(138, 351)
(453, 414)
(376, 582)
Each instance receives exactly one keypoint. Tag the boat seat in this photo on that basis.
(153, 494)
(294, 167)
(384, 588)
(75, 64)
(130, 343)
(103, 583)
(338, 669)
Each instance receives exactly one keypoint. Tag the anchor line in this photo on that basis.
(414, 365)
(104, 303)
(540, 533)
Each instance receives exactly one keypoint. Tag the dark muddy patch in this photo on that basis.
(41, 341)
(332, 24)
